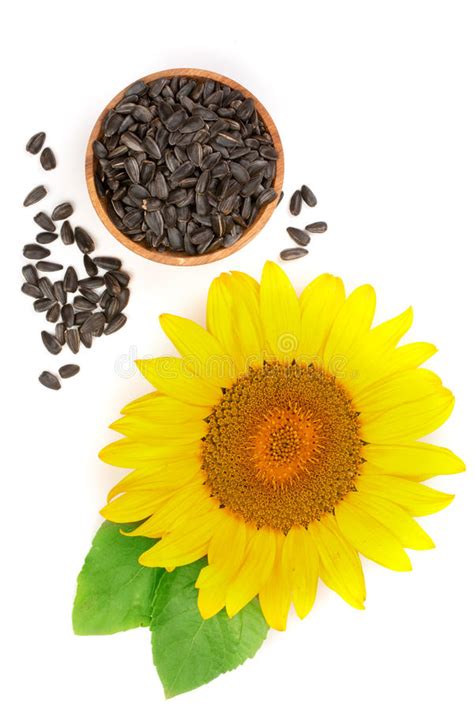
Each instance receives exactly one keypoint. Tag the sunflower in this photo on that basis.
(282, 444)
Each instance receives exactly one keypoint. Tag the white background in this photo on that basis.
(374, 103)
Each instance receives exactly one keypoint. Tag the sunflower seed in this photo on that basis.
(94, 324)
(83, 240)
(90, 266)
(60, 333)
(66, 232)
(59, 293)
(295, 203)
(45, 222)
(46, 237)
(35, 251)
(265, 197)
(67, 371)
(280, 197)
(122, 277)
(294, 253)
(49, 380)
(41, 305)
(86, 339)
(92, 282)
(308, 196)
(73, 340)
(82, 304)
(47, 159)
(317, 227)
(62, 211)
(35, 144)
(112, 308)
(100, 151)
(52, 314)
(50, 342)
(31, 290)
(268, 152)
(30, 274)
(89, 294)
(47, 288)
(111, 283)
(123, 298)
(116, 323)
(35, 195)
(299, 236)
(132, 169)
(70, 280)
(48, 266)
(81, 317)
(67, 315)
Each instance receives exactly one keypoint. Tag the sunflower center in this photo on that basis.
(283, 445)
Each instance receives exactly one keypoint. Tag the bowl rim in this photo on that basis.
(179, 258)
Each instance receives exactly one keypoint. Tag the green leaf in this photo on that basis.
(189, 651)
(114, 592)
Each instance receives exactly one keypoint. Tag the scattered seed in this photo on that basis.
(51, 343)
(92, 282)
(47, 159)
(294, 253)
(66, 232)
(60, 333)
(308, 196)
(112, 284)
(70, 280)
(35, 251)
(94, 324)
(48, 266)
(109, 263)
(35, 144)
(62, 211)
(30, 274)
(83, 240)
(115, 324)
(299, 236)
(67, 371)
(73, 340)
(53, 312)
(317, 227)
(31, 290)
(35, 195)
(49, 380)
(45, 222)
(47, 288)
(67, 315)
(59, 292)
(295, 203)
(46, 237)
(90, 266)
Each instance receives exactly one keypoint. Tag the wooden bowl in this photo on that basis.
(179, 258)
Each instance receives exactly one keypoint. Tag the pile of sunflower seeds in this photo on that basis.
(301, 237)
(81, 307)
(184, 165)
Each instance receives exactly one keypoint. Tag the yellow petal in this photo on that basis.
(394, 518)
(174, 510)
(320, 303)
(398, 360)
(417, 461)
(350, 326)
(133, 506)
(144, 429)
(131, 454)
(247, 321)
(163, 407)
(370, 537)
(386, 335)
(340, 567)
(202, 353)
(402, 387)
(411, 420)
(144, 401)
(220, 316)
(417, 499)
(171, 377)
(170, 475)
(255, 570)
(300, 560)
(280, 313)
(185, 544)
(275, 595)
(212, 599)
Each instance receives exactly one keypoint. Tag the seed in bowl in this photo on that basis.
(184, 165)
